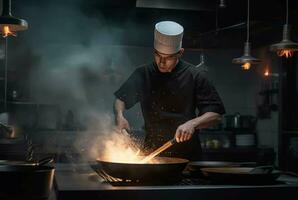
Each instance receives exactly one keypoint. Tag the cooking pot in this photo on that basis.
(240, 175)
(166, 168)
(242, 122)
(22, 181)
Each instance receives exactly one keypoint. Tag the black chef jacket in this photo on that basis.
(169, 100)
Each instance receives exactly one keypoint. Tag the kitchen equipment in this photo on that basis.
(195, 167)
(41, 162)
(162, 168)
(239, 175)
(159, 150)
(6, 131)
(240, 122)
(25, 181)
(19, 148)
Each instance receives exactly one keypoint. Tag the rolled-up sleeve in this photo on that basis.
(207, 98)
(129, 92)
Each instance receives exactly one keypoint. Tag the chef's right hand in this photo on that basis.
(122, 123)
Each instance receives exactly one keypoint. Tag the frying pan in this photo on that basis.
(166, 168)
(195, 167)
(239, 175)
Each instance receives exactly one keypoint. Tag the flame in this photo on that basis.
(246, 66)
(121, 149)
(285, 52)
(6, 32)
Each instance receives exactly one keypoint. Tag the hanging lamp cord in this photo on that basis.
(247, 34)
(287, 10)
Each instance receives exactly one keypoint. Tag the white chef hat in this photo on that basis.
(168, 37)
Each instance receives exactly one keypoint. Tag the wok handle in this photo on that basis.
(173, 141)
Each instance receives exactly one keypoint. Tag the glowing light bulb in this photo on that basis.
(246, 66)
(266, 73)
(6, 32)
(285, 52)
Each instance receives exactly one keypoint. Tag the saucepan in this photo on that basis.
(162, 168)
(242, 175)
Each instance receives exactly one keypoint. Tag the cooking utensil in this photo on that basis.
(239, 175)
(25, 182)
(164, 168)
(197, 165)
(167, 145)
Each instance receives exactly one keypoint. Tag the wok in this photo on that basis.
(166, 168)
(240, 175)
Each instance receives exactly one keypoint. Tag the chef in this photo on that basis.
(176, 98)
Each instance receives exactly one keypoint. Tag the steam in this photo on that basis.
(73, 64)
(104, 142)
(75, 69)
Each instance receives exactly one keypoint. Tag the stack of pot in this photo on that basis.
(244, 127)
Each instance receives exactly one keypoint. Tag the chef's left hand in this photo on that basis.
(184, 132)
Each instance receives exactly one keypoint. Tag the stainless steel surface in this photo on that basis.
(82, 177)
(80, 182)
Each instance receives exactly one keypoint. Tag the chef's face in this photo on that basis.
(167, 62)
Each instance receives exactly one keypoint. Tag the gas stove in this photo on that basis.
(186, 179)
(81, 182)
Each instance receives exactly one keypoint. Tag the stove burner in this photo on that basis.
(181, 181)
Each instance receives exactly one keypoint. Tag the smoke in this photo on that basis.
(76, 69)
(105, 142)
(74, 63)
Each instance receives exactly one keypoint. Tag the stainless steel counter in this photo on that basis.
(81, 182)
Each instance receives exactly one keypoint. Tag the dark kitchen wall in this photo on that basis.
(76, 56)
